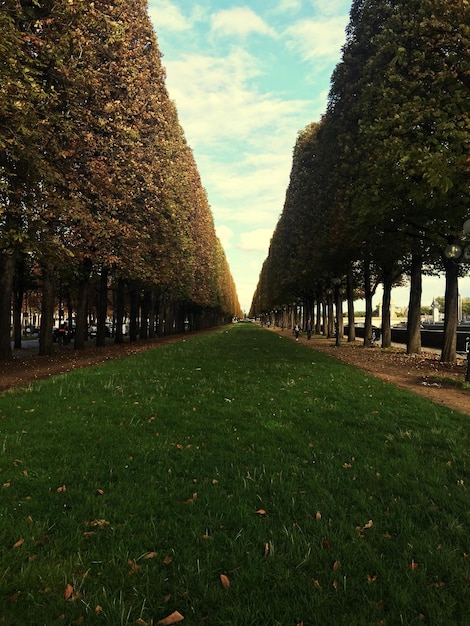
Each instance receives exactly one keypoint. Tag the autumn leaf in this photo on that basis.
(371, 579)
(225, 581)
(369, 524)
(98, 609)
(326, 544)
(167, 560)
(97, 523)
(68, 593)
(174, 618)
(133, 567)
(19, 543)
(335, 565)
(151, 555)
(61, 489)
(261, 512)
(413, 565)
(316, 584)
(318, 516)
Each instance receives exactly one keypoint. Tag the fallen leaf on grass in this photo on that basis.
(318, 516)
(19, 543)
(316, 584)
(326, 544)
(61, 489)
(97, 523)
(68, 593)
(151, 555)
(15, 596)
(167, 560)
(133, 567)
(413, 565)
(174, 618)
(371, 579)
(261, 512)
(225, 581)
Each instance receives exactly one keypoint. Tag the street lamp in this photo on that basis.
(459, 252)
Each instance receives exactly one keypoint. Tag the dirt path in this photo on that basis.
(413, 372)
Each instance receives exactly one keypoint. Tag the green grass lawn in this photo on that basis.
(322, 495)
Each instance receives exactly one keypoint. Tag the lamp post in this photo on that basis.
(459, 252)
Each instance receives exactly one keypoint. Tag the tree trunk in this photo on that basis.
(119, 306)
(152, 315)
(6, 286)
(331, 316)
(47, 311)
(414, 308)
(82, 304)
(324, 318)
(134, 314)
(449, 346)
(386, 303)
(144, 315)
(318, 316)
(102, 309)
(368, 300)
(350, 298)
(18, 295)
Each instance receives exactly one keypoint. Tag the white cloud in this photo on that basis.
(217, 104)
(164, 14)
(240, 21)
(225, 235)
(256, 240)
(317, 40)
(286, 6)
(332, 7)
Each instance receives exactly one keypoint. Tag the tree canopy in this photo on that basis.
(96, 177)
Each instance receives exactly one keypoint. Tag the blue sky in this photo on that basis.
(246, 77)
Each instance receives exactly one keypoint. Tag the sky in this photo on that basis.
(246, 77)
